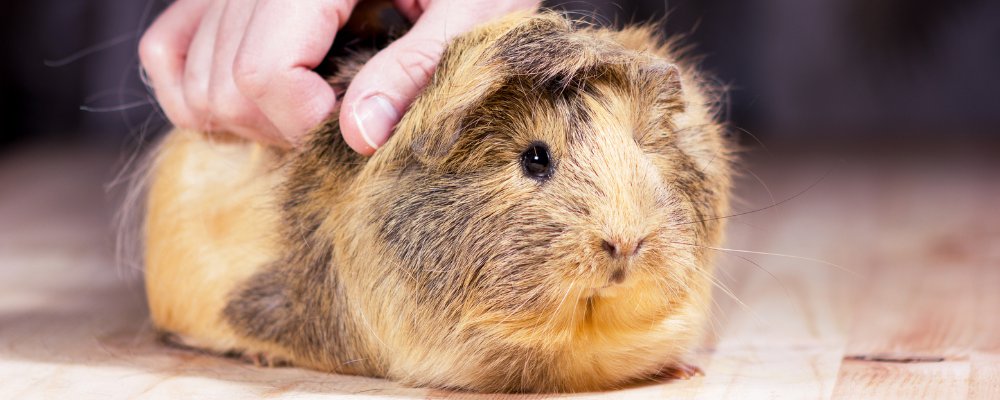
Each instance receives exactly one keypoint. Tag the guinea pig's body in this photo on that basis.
(538, 222)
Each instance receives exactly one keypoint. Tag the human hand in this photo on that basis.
(246, 66)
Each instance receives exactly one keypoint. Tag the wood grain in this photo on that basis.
(909, 310)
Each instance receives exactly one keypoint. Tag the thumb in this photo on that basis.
(384, 88)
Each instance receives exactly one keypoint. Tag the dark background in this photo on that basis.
(844, 69)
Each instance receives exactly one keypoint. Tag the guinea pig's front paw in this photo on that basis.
(189, 343)
(679, 370)
(262, 359)
(183, 342)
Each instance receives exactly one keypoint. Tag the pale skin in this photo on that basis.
(246, 66)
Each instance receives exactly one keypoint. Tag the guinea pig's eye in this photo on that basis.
(536, 161)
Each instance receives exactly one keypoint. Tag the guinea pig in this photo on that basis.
(540, 221)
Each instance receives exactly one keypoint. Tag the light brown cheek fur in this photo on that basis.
(209, 225)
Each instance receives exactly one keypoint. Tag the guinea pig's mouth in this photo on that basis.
(611, 287)
(608, 290)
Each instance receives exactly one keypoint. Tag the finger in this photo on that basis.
(198, 67)
(284, 41)
(384, 88)
(163, 51)
(411, 9)
(231, 111)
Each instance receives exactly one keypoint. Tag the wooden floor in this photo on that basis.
(902, 304)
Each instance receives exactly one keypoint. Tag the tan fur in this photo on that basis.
(210, 224)
(437, 262)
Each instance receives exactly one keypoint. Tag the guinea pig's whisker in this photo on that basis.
(762, 184)
(788, 292)
(815, 260)
(118, 107)
(666, 283)
(768, 207)
(572, 321)
(732, 295)
(714, 321)
(755, 138)
(555, 314)
(722, 286)
(86, 51)
(710, 161)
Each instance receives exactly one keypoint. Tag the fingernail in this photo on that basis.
(375, 118)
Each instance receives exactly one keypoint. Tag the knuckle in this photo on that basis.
(151, 49)
(336, 10)
(229, 107)
(250, 79)
(200, 114)
(195, 94)
(197, 104)
(196, 78)
(418, 63)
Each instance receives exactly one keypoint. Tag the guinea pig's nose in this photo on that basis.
(622, 248)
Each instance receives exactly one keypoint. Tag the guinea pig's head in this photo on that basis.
(543, 212)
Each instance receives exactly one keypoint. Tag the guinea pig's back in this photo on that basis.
(211, 222)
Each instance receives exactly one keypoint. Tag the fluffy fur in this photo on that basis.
(437, 261)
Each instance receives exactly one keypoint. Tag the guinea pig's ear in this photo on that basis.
(445, 119)
(666, 80)
(432, 148)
